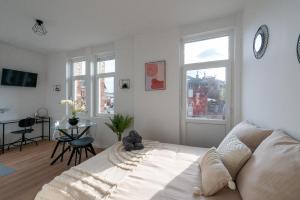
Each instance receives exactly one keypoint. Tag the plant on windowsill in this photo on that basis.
(73, 120)
(119, 123)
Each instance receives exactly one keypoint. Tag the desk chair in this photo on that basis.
(26, 124)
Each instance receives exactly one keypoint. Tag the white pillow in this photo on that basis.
(234, 154)
(250, 134)
(273, 172)
(214, 174)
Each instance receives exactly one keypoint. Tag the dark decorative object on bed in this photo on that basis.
(298, 49)
(260, 42)
(133, 141)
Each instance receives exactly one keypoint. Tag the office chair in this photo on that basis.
(26, 124)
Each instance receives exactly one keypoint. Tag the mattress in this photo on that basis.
(159, 172)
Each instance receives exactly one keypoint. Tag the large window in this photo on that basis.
(105, 85)
(206, 63)
(79, 83)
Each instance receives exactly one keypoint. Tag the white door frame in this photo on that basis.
(222, 63)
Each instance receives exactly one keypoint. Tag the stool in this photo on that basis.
(78, 145)
(63, 140)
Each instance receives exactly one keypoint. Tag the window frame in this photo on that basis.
(85, 78)
(228, 63)
(103, 57)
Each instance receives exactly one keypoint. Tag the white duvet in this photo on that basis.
(160, 171)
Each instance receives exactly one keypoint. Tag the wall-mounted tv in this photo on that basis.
(18, 78)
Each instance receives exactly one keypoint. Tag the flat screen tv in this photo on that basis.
(18, 78)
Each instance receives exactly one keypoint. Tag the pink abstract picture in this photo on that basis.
(155, 76)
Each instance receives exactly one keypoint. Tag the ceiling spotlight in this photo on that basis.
(39, 28)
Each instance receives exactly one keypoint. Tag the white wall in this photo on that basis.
(22, 102)
(271, 85)
(156, 114)
(124, 98)
(56, 74)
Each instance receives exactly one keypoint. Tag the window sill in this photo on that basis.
(206, 121)
(103, 116)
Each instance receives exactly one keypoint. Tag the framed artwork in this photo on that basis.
(155, 76)
(57, 88)
(124, 84)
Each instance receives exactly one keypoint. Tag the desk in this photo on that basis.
(40, 120)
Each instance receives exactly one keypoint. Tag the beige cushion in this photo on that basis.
(250, 134)
(273, 171)
(234, 154)
(214, 174)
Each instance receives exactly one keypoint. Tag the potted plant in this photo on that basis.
(73, 120)
(119, 123)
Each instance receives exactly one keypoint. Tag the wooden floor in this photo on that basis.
(33, 170)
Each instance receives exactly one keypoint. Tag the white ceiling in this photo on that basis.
(73, 24)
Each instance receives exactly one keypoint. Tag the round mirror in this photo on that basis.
(298, 49)
(260, 41)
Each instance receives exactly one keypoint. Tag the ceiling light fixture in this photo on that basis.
(39, 28)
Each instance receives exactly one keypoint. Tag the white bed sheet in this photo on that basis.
(168, 172)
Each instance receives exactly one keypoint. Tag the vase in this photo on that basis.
(73, 121)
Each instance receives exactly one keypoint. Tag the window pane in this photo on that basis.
(106, 96)
(206, 93)
(80, 90)
(206, 50)
(107, 66)
(79, 68)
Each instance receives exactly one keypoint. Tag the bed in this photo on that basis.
(158, 172)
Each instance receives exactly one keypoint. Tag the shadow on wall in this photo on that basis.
(3, 110)
(9, 113)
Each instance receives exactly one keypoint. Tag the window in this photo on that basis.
(105, 85)
(206, 50)
(79, 83)
(206, 93)
(79, 68)
(206, 64)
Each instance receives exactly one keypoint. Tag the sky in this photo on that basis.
(206, 50)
